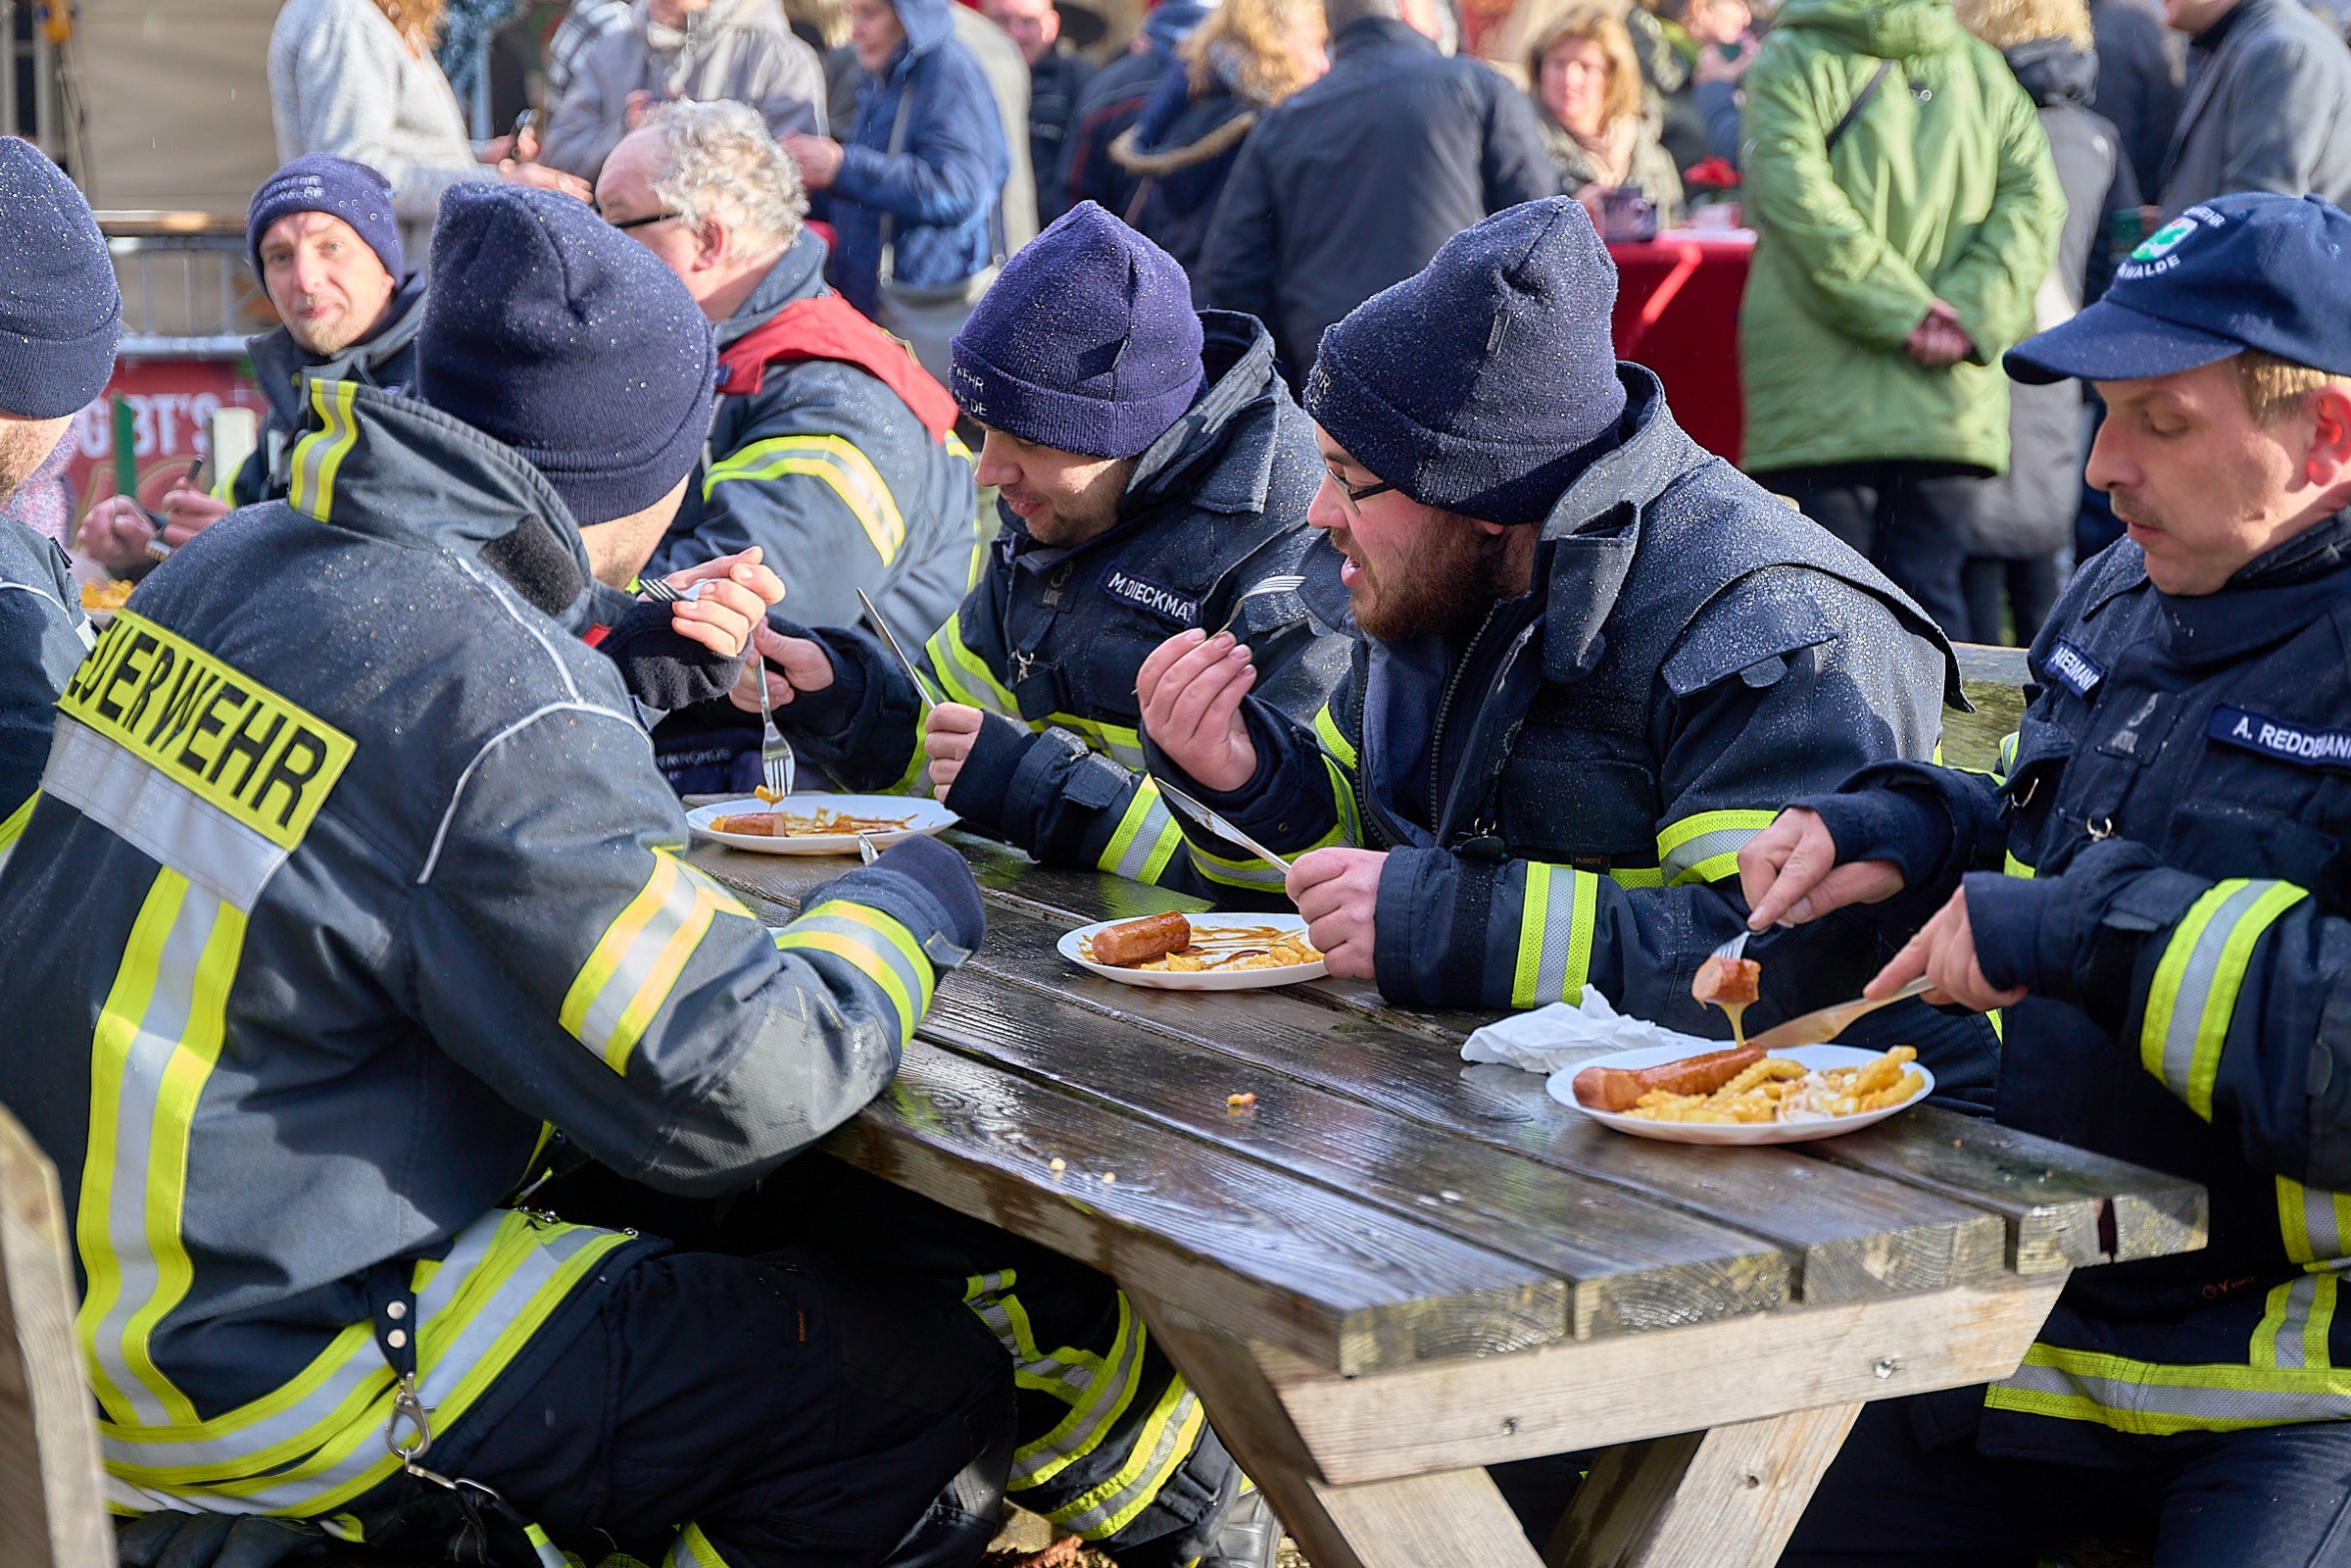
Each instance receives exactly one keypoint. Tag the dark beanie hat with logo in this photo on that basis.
(61, 310)
(551, 331)
(1487, 381)
(338, 188)
(1087, 342)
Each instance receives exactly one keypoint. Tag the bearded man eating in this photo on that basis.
(1590, 661)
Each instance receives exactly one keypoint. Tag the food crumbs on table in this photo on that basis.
(1058, 1166)
(1239, 1101)
(1108, 1177)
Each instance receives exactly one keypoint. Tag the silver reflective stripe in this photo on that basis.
(447, 1368)
(1099, 1398)
(2261, 1406)
(363, 1364)
(1558, 936)
(679, 903)
(161, 817)
(1135, 858)
(2195, 988)
(1174, 1435)
(1683, 857)
(892, 956)
(2319, 1222)
(148, 1053)
(693, 1549)
(1248, 875)
(2300, 1298)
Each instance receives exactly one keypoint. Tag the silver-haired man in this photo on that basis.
(832, 450)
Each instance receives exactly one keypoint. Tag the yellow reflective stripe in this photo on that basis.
(638, 960)
(693, 1549)
(1554, 935)
(12, 827)
(2154, 1399)
(1098, 1389)
(2196, 983)
(2314, 1222)
(1147, 839)
(1705, 848)
(1118, 742)
(1334, 739)
(965, 676)
(1163, 1442)
(1637, 876)
(157, 1037)
(471, 1323)
(882, 950)
(2010, 865)
(318, 455)
(2295, 1323)
(837, 462)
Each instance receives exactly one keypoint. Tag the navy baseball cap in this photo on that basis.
(2247, 271)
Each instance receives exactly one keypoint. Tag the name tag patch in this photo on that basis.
(208, 727)
(2288, 742)
(1166, 603)
(2075, 669)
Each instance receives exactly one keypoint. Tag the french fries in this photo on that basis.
(1776, 1089)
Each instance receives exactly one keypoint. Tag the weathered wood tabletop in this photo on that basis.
(1395, 1269)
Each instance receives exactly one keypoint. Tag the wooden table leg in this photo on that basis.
(1725, 1498)
(1450, 1519)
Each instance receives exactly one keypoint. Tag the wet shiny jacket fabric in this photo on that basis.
(376, 892)
(2164, 857)
(1050, 641)
(43, 635)
(1563, 796)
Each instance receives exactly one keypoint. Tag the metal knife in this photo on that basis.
(1219, 827)
(882, 626)
(1819, 1027)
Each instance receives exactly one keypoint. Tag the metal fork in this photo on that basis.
(1279, 583)
(777, 766)
(1736, 947)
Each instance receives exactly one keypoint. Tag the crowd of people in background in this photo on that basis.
(1296, 157)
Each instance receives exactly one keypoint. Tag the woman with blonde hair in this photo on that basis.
(357, 79)
(1586, 87)
(2024, 521)
(1247, 57)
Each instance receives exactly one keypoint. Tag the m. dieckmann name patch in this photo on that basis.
(2288, 743)
(1166, 603)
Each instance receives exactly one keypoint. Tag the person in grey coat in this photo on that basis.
(706, 50)
(2138, 81)
(1353, 184)
(2267, 108)
(2025, 517)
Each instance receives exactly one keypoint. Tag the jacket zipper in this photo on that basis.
(1444, 706)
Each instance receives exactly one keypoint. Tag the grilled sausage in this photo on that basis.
(1619, 1089)
(1133, 942)
(1727, 982)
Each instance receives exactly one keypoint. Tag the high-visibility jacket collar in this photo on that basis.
(827, 326)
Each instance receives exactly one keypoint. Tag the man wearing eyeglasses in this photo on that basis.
(832, 452)
(1590, 661)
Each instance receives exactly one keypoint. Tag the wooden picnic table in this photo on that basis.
(1395, 1269)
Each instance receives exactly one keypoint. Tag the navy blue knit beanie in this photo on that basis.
(61, 310)
(553, 332)
(339, 189)
(1484, 383)
(1087, 341)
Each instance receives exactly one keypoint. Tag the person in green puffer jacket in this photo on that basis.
(1902, 229)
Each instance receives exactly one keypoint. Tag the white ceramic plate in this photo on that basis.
(927, 817)
(1561, 1086)
(1201, 979)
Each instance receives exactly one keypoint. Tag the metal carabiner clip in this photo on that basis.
(408, 1407)
(2098, 828)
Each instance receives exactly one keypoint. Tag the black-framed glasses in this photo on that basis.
(1355, 495)
(624, 225)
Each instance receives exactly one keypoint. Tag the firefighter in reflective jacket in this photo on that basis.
(1590, 661)
(1153, 466)
(64, 314)
(2154, 889)
(352, 889)
(1152, 469)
